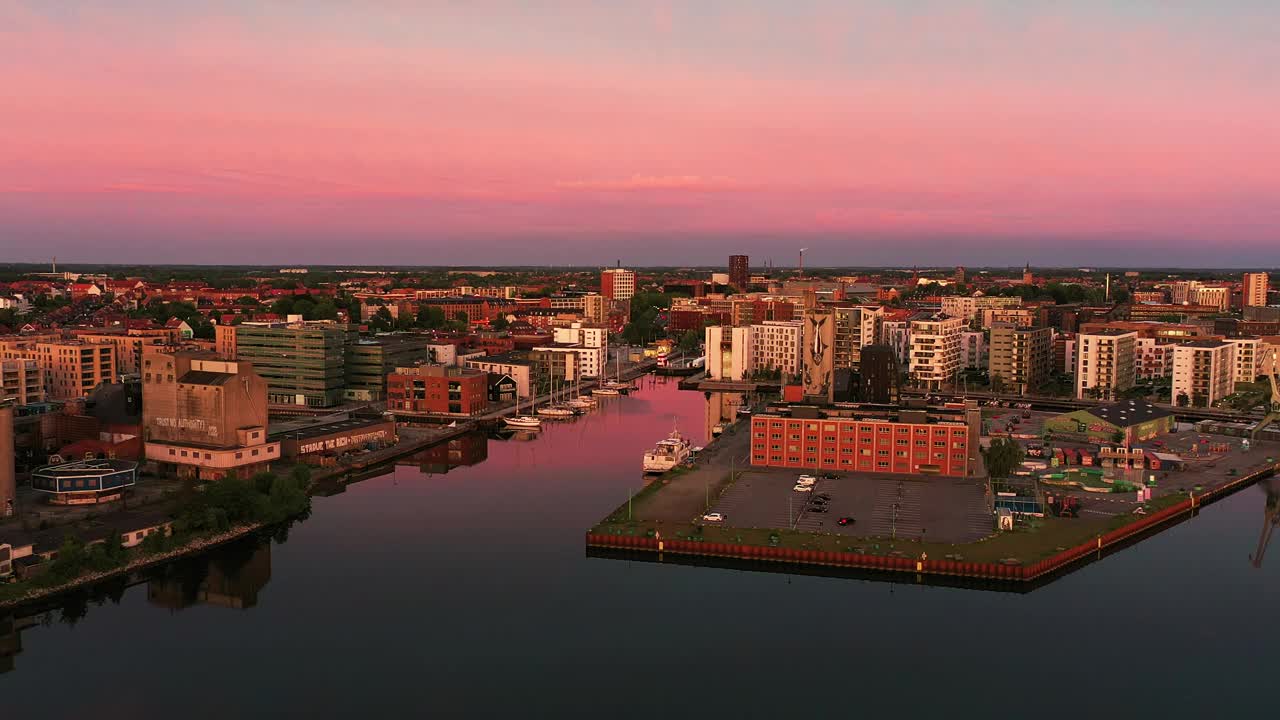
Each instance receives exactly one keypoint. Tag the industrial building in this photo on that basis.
(1124, 422)
(905, 441)
(205, 418)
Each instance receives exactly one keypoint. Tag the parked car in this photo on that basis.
(713, 517)
(845, 521)
(818, 509)
(803, 488)
(807, 480)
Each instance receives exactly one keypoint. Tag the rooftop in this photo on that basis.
(329, 428)
(1129, 412)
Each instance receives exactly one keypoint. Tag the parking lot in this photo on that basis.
(940, 509)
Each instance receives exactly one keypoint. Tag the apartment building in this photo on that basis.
(1249, 356)
(1203, 372)
(1021, 359)
(1254, 290)
(729, 352)
(855, 328)
(591, 342)
(1217, 296)
(935, 350)
(73, 368)
(618, 284)
(22, 381)
(1106, 363)
(1154, 358)
(775, 345)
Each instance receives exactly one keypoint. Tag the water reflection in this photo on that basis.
(231, 578)
(1270, 519)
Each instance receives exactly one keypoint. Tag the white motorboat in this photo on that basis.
(606, 391)
(667, 454)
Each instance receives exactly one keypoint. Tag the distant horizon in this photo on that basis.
(871, 132)
(73, 266)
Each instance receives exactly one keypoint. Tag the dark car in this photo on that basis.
(818, 501)
(845, 521)
(818, 509)
(824, 496)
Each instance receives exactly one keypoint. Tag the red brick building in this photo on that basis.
(914, 442)
(438, 389)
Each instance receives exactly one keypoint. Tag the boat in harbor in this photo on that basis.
(556, 411)
(523, 422)
(605, 391)
(667, 454)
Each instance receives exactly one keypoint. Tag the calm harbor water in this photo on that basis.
(457, 584)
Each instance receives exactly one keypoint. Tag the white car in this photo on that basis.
(803, 488)
(807, 480)
(713, 517)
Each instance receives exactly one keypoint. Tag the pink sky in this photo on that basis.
(387, 132)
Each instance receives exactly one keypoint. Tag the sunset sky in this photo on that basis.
(1141, 132)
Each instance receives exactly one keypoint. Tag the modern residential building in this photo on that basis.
(1154, 358)
(1021, 359)
(1250, 355)
(1106, 362)
(1020, 317)
(729, 352)
(438, 389)
(915, 442)
(535, 372)
(855, 328)
(739, 271)
(971, 308)
(73, 368)
(1254, 290)
(22, 381)
(591, 342)
(896, 334)
(1203, 372)
(302, 363)
(131, 343)
(974, 353)
(935, 350)
(618, 284)
(204, 418)
(775, 345)
(1217, 296)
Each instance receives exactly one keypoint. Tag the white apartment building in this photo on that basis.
(1183, 292)
(935, 350)
(775, 344)
(1106, 362)
(729, 352)
(1154, 358)
(1254, 290)
(1218, 296)
(1203, 372)
(971, 308)
(590, 341)
(1249, 355)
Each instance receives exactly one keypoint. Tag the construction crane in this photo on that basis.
(1270, 519)
(1273, 408)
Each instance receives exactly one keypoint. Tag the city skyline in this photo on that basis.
(988, 134)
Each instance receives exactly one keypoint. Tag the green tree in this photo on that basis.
(431, 317)
(1002, 457)
(689, 341)
(499, 323)
(462, 317)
